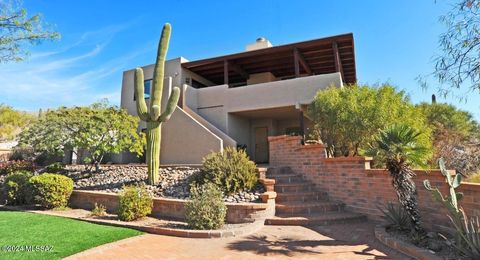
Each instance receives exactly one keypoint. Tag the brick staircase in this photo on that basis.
(299, 202)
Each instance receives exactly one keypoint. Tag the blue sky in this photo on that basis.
(394, 42)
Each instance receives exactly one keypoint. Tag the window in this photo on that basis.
(147, 83)
(146, 91)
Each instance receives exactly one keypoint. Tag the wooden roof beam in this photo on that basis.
(338, 61)
(302, 60)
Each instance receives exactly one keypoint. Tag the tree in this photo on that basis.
(455, 136)
(17, 30)
(348, 118)
(12, 122)
(458, 64)
(399, 147)
(98, 129)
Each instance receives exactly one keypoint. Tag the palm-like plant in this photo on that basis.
(399, 148)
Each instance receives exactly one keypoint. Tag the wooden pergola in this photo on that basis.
(314, 57)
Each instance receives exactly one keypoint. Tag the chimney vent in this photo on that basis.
(260, 43)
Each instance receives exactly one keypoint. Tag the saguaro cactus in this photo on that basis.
(154, 117)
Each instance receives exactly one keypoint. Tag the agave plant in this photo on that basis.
(469, 233)
(396, 217)
(399, 148)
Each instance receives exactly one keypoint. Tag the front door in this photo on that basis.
(261, 144)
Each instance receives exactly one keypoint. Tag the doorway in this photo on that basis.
(261, 145)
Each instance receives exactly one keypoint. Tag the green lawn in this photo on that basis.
(67, 236)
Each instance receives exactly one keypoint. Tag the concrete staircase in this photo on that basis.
(299, 202)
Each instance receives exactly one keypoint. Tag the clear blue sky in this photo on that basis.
(394, 42)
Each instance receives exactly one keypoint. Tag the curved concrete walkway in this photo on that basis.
(346, 241)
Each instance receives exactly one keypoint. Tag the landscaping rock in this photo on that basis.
(174, 181)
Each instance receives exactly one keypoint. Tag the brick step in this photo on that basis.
(280, 170)
(309, 208)
(287, 178)
(294, 187)
(301, 196)
(316, 219)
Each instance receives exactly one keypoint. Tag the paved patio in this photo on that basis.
(345, 241)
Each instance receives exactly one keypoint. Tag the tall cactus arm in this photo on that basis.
(158, 74)
(171, 105)
(142, 109)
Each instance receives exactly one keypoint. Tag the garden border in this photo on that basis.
(402, 246)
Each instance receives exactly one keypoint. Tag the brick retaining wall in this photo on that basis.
(362, 189)
(174, 208)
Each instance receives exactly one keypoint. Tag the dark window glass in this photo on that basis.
(147, 85)
(146, 91)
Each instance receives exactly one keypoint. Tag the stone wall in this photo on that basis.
(350, 179)
(174, 208)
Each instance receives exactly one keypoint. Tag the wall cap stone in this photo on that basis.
(347, 159)
(283, 137)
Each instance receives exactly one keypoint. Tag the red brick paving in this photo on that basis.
(345, 241)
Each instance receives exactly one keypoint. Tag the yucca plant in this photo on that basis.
(469, 233)
(396, 217)
(399, 148)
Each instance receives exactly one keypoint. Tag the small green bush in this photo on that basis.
(231, 170)
(15, 166)
(52, 190)
(55, 167)
(99, 210)
(135, 203)
(18, 188)
(206, 209)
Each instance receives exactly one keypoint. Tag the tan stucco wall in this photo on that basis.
(185, 141)
(261, 78)
(262, 96)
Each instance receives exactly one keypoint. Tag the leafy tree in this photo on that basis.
(455, 136)
(98, 129)
(459, 62)
(17, 30)
(449, 118)
(400, 148)
(12, 122)
(347, 119)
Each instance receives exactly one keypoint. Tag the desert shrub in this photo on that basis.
(99, 210)
(135, 203)
(55, 167)
(396, 217)
(22, 154)
(52, 190)
(455, 136)
(18, 188)
(347, 119)
(14, 166)
(206, 208)
(475, 178)
(231, 170)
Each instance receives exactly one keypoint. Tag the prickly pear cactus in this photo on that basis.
(451, 200)
(153, 115)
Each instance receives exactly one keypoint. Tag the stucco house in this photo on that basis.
(240, 99)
